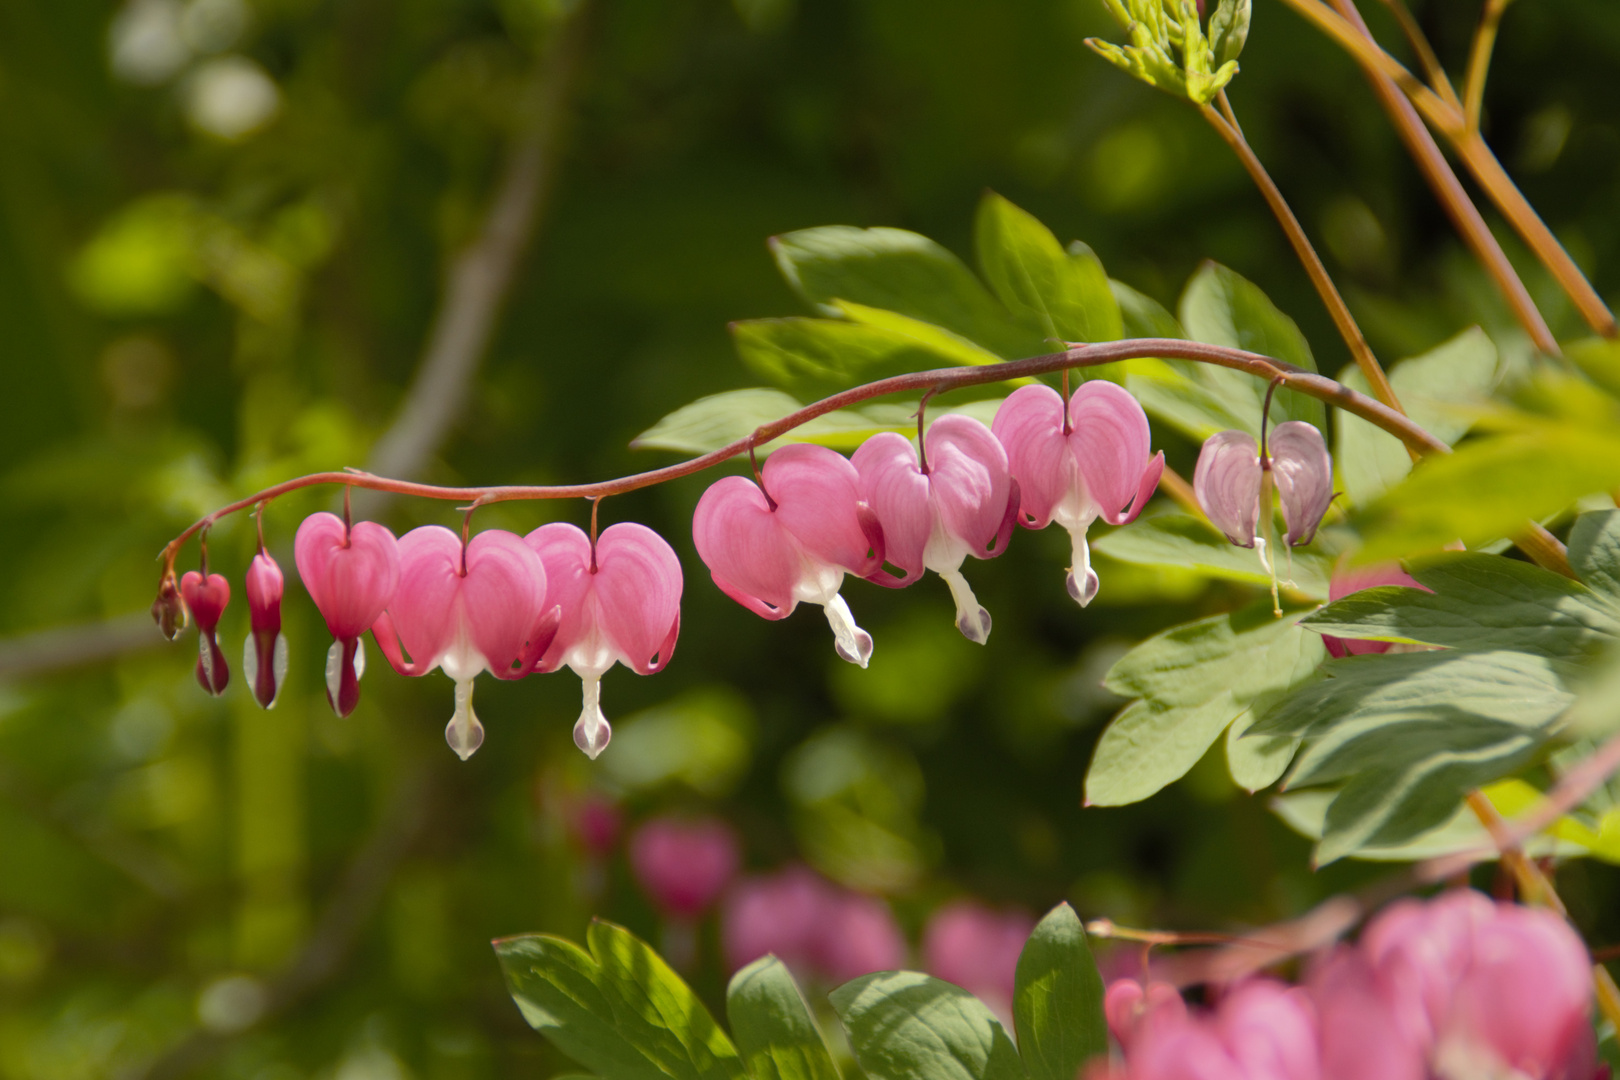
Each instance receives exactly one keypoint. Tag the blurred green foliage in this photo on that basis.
(224, 228)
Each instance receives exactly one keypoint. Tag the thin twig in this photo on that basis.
(481, 275)
(1337, 308)
(1449, 190)
(1438, 79)
(1479, 62)
(1450, 122)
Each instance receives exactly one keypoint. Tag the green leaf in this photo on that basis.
(1479, 602)
(721, 419)
(618, 1010)
(1221, 307)
(903, 272)
(949, 347)
(1488, 488)
(1058, 999)
(1065, 293)
(1436, 390)
(1258, 762)
(1306, 813)
(1174, 539)
(1142, 315)
(1599, 358)
(1594, 551)
(1417, 782)
(1193, 681)
(1229, 29)
(904, 1025)
(775, 1033)
(813, 358)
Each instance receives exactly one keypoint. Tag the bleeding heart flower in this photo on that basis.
(465, 609)
(1229, 475)
(684, 865)
(206, 598)
(770, 551)
(959, 501)
(264, 653)
(1262, 1030)
(1077, 466)
(351, 574)
(621, 603)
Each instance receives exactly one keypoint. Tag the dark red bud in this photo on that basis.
(264, 656)
(168, 610)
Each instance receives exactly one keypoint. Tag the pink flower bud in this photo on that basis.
(682, 865)
(594, 822)
(768, 554)
(963, 502)
(977, 949)
(169, 609)
(466, 609)
(206, 600)
(264, 653)
(1098, 467)
(1347, 580)
(351, 574)
(1227, 481)
(620, 603)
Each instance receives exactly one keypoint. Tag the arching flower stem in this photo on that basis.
(1537, 542)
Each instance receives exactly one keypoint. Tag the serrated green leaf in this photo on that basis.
(1065, 293)
(1437, 390)
(1417, 784)
(1174, 539)
(1479, 602)
(618, 1009)
(1488, 488)
(1513, 687)
(902, 272)
(1594, 551)
(1221, 307)
(904, 1025)
(1058, 999)
(1193, 681)
(775, 1033)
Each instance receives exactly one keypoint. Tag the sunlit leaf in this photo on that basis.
(775, 1033)
(1174, 539)
(1065, 293)
(904, 1025)
(1058, 999)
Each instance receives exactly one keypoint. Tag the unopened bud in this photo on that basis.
(207, 599)
(168, 610)
(264, 653)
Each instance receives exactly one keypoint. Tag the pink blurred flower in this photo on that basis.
(264, 653)
(818, 929)
(621, 603)
(684, 864)
(1347, 580)
(1075, 467)
(594, 822)
(351, 574)
(976, 948)
(1364, 1032)
(1227, 481)
(934, 514)
(1262, 1030)
(466, 608)
(207, 598)
(794, 541)
(1127, 1005)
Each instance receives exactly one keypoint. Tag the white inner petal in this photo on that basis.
(250, 663)
(464, 733)
(971, 619)
(1083, 582)
(279, 666)
(592, 731)
(852, 643)
(334, 670)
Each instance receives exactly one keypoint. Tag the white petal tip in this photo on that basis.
(592, 736)
(464, 741)
(975, 626)
(1086, 594)
(861, 655)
